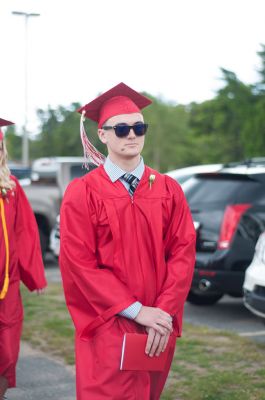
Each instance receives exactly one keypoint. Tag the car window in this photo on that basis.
(210, 190)
(224, 190)
(182, 179)
(21, 173)
(252, 192)
(78, 170)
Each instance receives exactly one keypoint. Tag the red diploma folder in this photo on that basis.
(133, 357)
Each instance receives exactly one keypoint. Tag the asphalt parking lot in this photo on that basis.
(228, 314)
(42, 377)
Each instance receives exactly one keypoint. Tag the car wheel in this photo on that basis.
(203, 299)
(43, 242)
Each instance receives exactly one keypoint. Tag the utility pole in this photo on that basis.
(25, 139)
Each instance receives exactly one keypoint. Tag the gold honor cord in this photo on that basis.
(6, 281)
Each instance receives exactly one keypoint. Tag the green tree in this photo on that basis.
(220, 123)
(168, 139)
(260, 86)
(229, 127)
(13, 143)
(60, 134)
(166, 143)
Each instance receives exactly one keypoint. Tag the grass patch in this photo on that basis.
(215, 365)
(208, 364)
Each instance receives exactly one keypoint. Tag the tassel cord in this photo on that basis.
(90, 151)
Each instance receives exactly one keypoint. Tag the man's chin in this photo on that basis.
(130, 153)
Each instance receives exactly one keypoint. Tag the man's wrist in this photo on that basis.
(132, 311)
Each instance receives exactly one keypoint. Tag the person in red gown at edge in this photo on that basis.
(20, 259)
(126, 258)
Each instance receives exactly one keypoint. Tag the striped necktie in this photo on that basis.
(133, 182)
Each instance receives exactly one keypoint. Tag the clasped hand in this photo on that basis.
(158, 324)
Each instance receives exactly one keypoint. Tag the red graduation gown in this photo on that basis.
(26, 265)
(115, 250)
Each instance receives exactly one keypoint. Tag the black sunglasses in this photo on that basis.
(123, 130)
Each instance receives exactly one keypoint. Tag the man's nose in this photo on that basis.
(131, 133)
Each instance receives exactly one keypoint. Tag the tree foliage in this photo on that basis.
(229, 127)
(14, 143)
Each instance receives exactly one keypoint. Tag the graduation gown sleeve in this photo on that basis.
(30, 262)
(180, 241)
(93, 292)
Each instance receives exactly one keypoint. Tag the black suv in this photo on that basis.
(228, 209)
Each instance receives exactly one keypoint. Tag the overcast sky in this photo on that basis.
(170, 48)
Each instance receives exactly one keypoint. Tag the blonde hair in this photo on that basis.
(5, 180)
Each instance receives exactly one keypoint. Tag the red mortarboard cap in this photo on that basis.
(121, 99)
(4, 122)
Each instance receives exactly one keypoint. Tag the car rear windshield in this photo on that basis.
(224, 189)
(76, 171)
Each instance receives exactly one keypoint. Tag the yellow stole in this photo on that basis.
(6, 280)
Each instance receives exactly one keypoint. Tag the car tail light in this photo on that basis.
(203, 272)
(231, 219)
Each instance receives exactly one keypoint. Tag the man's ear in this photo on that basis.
(102, 135)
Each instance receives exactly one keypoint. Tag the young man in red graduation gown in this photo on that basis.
(127, 254)
(20, 259)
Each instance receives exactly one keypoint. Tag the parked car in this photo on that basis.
(55, 238)
(181, 175)
(55, 232)
(22, 173)
(228, 208)
(50, 177)
(254, 284)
